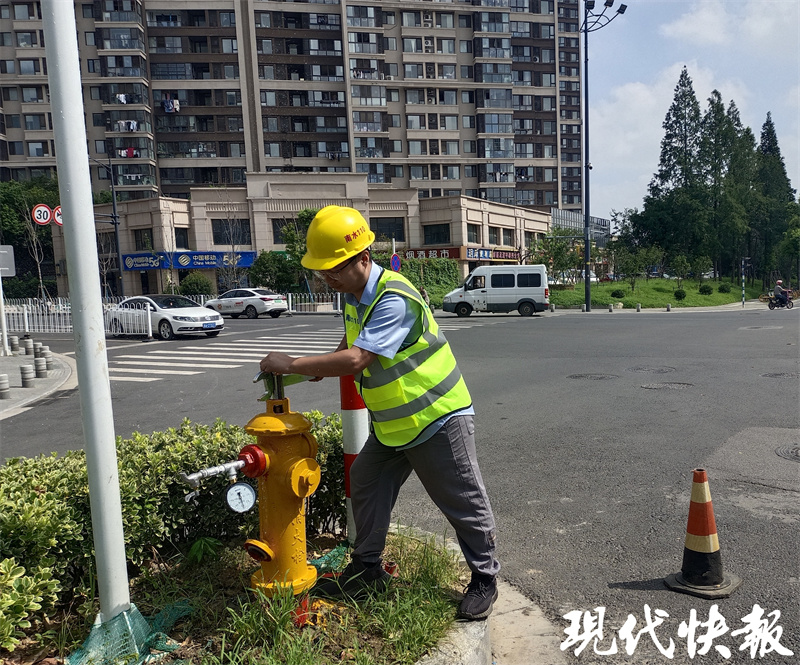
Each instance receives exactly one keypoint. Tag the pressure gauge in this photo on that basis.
(241, 497)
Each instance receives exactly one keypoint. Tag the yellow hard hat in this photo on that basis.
(336, 233)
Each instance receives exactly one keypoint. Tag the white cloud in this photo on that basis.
(707, 23)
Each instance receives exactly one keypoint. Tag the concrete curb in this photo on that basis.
(63, 375)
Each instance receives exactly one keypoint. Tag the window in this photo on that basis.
(451, 172)
(529, 279)
(93, 66)
(464, 21)
(181, 238)
(88, 11)
(508, 237)
(94, 92)
(16, 148)
(264, 46)
(464, 46)
(473, 234)
(494, 235)
(227, 19)
(397, 171)
(388, 227)
(143, 239)
(13, 121)
(263, 20)
(29, 67)
(7, 67)
(417, 148)
(436, 234)
(26, 39)
(35, 122)
(418, 172)
(448, 122)
(230, 46)
(100, 146)
(502, 280)
(231, 231)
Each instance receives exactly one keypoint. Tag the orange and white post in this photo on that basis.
(355, 430)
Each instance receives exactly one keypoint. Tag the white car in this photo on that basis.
(250, 302)
(170, 315)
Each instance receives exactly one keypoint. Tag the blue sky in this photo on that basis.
(749, 50)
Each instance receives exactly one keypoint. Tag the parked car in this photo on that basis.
(170, 315)
(250, 302)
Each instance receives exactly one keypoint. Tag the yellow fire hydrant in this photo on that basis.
(283, 460)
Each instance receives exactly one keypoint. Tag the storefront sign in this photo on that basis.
(187, 260)
(446, 253)
(485, 254)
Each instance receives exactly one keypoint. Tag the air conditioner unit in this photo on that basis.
(389, 77)
(536, 58)
(427, 23)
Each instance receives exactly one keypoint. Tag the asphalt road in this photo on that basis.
(588, 428)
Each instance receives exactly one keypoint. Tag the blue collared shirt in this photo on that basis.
(395, 323)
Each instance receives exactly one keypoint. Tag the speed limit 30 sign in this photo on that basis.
(42, 214)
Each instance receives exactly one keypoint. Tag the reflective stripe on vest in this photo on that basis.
(417, 387)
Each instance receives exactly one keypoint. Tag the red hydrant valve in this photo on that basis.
(255, 461)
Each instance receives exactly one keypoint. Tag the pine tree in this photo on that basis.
(772, 217)
(679, 164)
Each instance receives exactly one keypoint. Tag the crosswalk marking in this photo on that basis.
(148, 370)
(137, 379)
(189, 360)
(192, 366)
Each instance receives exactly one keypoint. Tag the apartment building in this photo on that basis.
(478, 98)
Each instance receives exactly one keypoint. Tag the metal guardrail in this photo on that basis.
(54, 315)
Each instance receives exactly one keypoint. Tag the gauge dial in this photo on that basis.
(241, 497)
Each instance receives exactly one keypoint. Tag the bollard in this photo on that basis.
(552, 307)
(669, 307)
(583, 307)
(28, 375)
(355, 431)
(5, 390)
(610, 307)
(14, 341)
(28, 342)
(37, 350)
(48, 356)
(638, 307)
(41, 368)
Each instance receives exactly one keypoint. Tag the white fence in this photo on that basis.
(54, 315)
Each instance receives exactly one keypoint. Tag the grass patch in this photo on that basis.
(653, 293)
(234, 625)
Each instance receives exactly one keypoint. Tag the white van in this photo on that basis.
(501, 289)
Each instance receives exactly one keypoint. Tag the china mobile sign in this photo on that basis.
(187, 260)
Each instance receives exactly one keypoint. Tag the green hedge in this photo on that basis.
(46, 546)
(438, 276)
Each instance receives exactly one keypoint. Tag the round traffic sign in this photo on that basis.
(42, 214)
(395, 262)
(57, 216)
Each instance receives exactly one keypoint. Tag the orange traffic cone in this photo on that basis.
(702, 574)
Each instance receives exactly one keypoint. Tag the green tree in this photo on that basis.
(700, 266)
(771, 219)
(718, 137)
(559, 253)
(680, 267)
(274, 270)
(679, 165)
(196, 284)
(33, 243)
(293, 235)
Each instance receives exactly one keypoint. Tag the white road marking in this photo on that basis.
(134, 370)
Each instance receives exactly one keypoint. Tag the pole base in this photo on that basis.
(298, 584)
(728, 585)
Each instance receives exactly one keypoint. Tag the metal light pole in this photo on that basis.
(114, 218)
(591, 22)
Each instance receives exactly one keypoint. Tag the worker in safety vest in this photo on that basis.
(420, 409)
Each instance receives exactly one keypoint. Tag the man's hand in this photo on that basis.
(277, 363)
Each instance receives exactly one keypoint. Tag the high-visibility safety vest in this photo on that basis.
(417, 387)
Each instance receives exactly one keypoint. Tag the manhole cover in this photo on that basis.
(667, 386)
(652, 370)
(593, 377)
(789, 452)
(781, 375)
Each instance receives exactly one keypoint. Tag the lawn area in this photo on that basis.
(654, 293)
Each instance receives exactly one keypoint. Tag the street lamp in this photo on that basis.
(114, 217)
(591, 21)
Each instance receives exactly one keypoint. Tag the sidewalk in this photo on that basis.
(517, 633)
(61, 376)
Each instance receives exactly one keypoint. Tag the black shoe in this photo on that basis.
(479, 597)
(355, 581)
